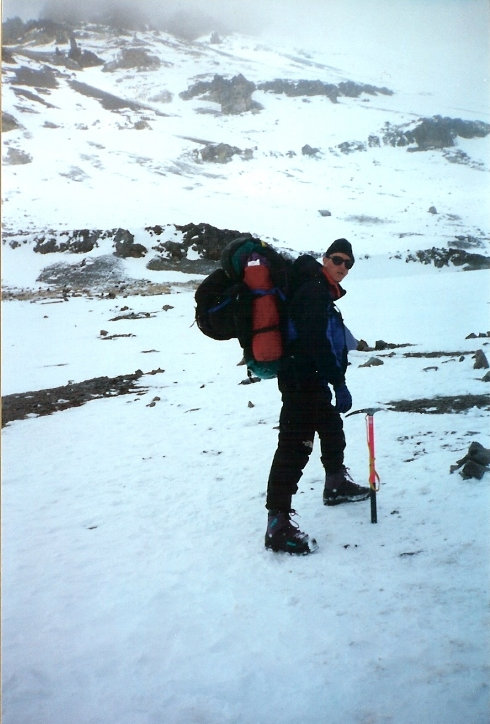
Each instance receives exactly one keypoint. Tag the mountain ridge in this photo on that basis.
(217, 120)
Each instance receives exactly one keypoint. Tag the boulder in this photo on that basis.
(475, 463)
(481, 362)
(125, 247)
(233, 95)
(219, 152)
(138, 58)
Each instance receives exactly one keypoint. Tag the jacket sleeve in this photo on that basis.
(309, 312)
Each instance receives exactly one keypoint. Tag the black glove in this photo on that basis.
(343, 399)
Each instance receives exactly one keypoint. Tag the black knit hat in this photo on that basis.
(341, 245)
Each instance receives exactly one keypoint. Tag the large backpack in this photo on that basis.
(246, 298)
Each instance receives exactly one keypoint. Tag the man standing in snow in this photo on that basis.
(316, 360)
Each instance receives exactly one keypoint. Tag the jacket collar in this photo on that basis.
(336, 291)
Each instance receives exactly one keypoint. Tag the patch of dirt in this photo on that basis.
(441, 405)
(44, 402)
(129, 288)
(434, 354)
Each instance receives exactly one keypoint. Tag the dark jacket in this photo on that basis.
(317, 353)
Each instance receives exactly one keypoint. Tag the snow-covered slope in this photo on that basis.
(87, 166)
(135, 585)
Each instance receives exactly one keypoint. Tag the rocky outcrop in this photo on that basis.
(9, 123)
(295, 88)
(124, 246)
(137, 58)
(233, 95)
(83, 241)
(222, 153)
(84, 58)
(475, 463)
(436, 133)
(446, 257)
(308, 150)
(481, 361)
(433, 133)
(16, 157)
(44, 78)
(199, 251)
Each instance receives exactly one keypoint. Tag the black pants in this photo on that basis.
(304, 412)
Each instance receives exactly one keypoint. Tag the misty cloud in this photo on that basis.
(189, 19)
(429, 34)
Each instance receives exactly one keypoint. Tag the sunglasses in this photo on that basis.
(338, 260)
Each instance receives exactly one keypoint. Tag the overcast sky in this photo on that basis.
(305, 18)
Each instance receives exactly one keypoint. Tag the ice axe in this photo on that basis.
(373, 475)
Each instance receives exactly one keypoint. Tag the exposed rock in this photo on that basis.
(125, 247)
(17, 157)
(163, 96)
(307, 150)
(80, 241)
(24, 93)
(132, 316)
(295, 88)
(44, 78)
(433, 133)
(481, 362)
(351, 146)
(374, 141)
(221, 152)
(467, 242)
(208, 241)
(34, 32)
(85, 59)
(480, 335)
(372, 362)
(138, 58)
(380, 345)
(234, 96)
(203, 240)
(7, 56)
(475, 463)
(9, 123)
(445, 257)
(141, 125)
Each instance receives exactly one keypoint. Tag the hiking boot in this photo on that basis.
(284, 535)
(340, 488)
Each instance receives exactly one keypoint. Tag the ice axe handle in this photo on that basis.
(373, 475)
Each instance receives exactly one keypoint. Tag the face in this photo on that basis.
(336, 273)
